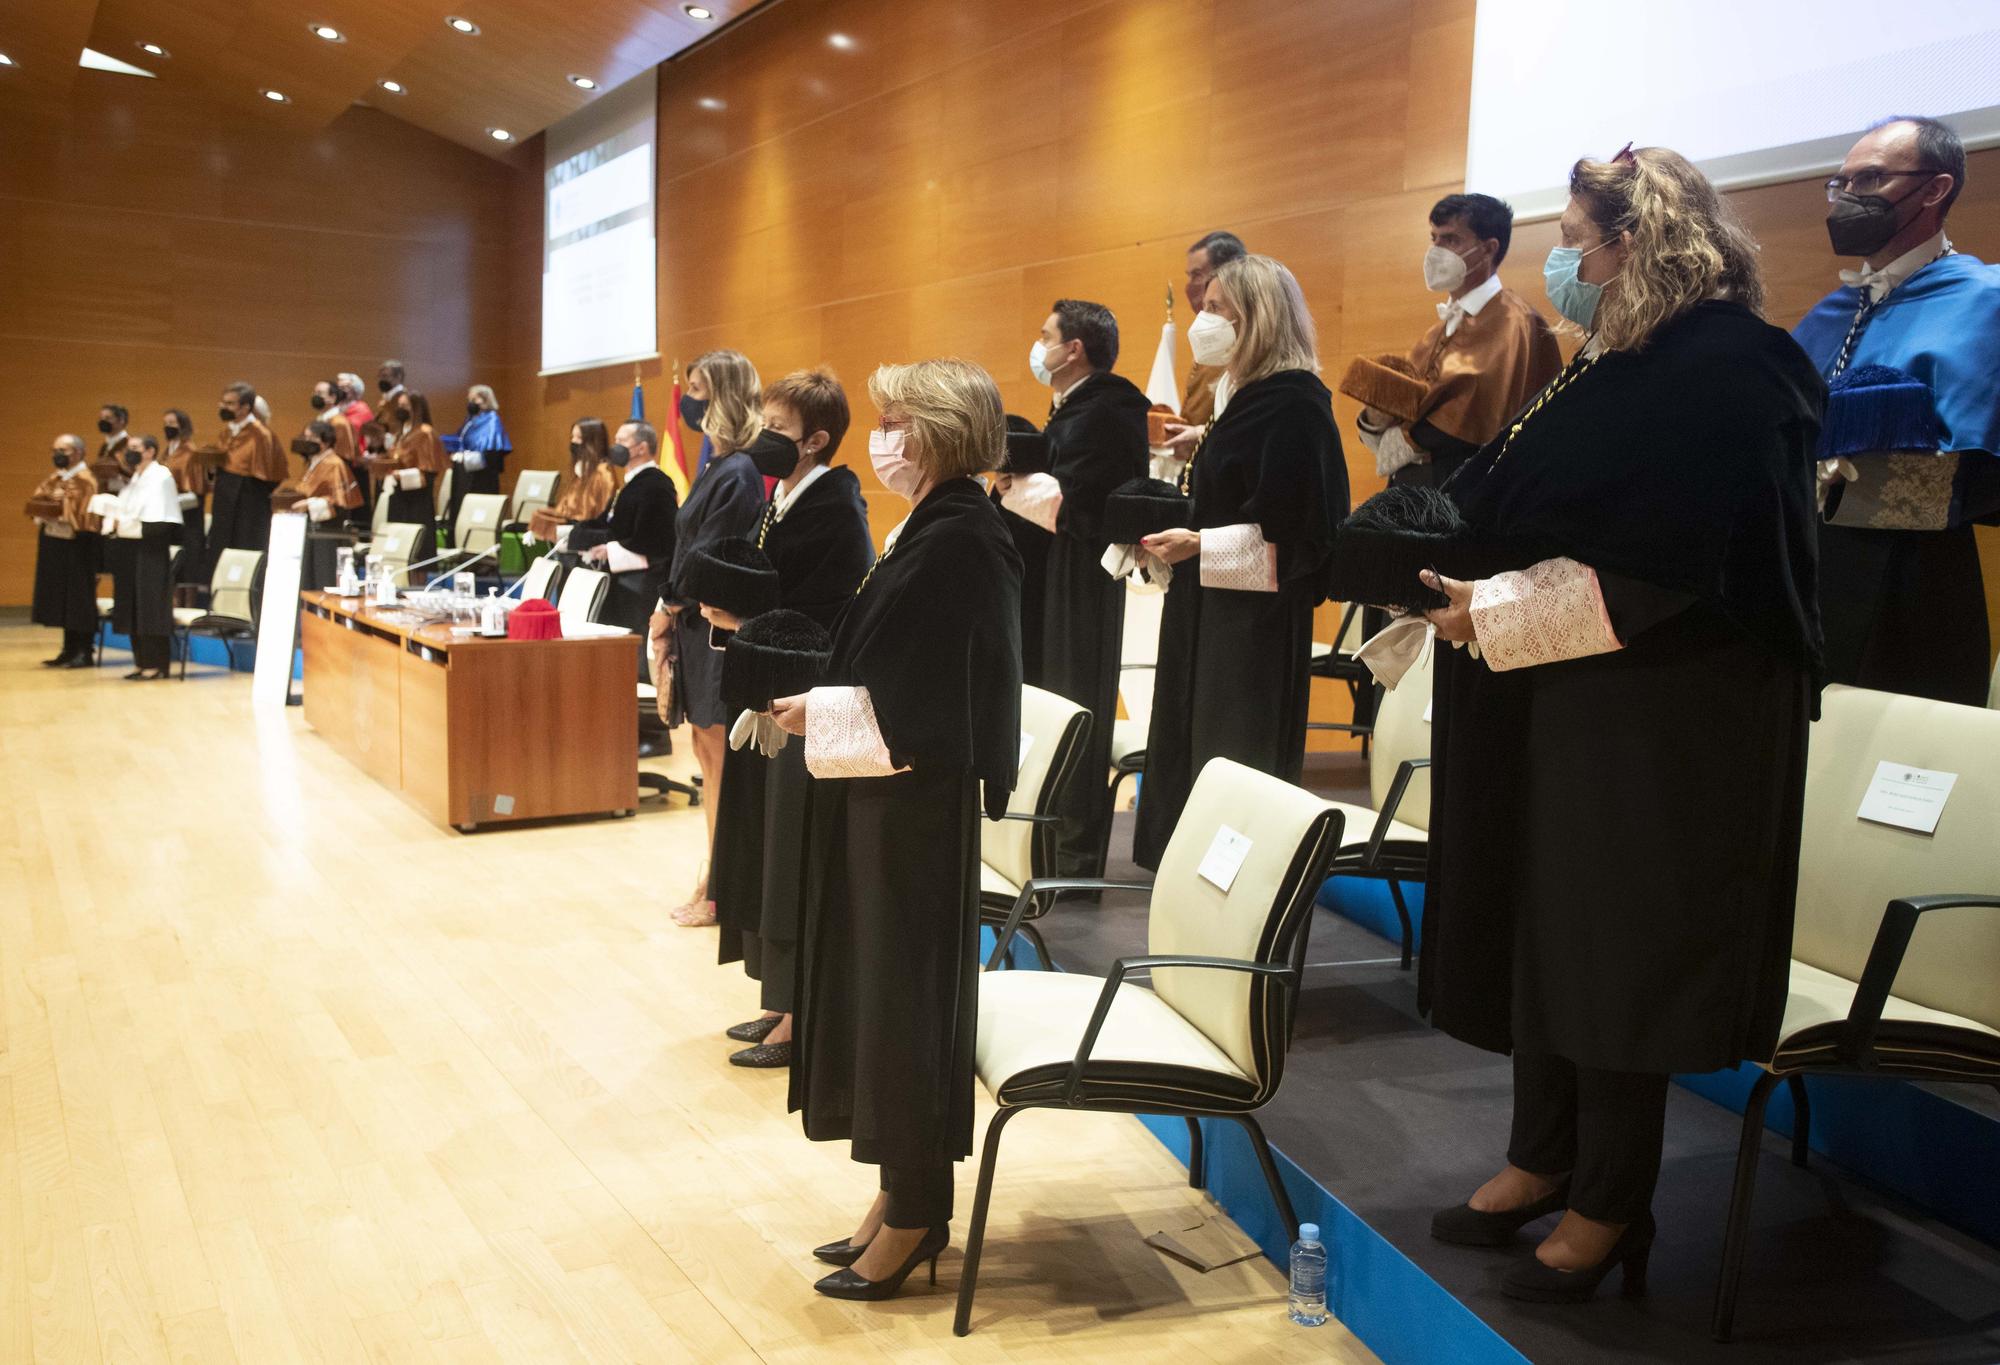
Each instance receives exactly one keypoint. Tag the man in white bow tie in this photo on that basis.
(1488, 353)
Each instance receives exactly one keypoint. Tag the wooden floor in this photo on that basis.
(288, 1074)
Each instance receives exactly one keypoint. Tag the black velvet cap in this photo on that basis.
(1027, 448)
(777, 654)
(732, 574)
(1142, 507)
(1395, 535)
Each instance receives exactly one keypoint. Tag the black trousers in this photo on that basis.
(1604, 1127)
(79, 644)
(919, 1196)
(150, 651)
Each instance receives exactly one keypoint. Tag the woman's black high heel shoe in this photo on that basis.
(844, 1252)
(1539, 1283)
(753, 1030)
(845, 1284)
(1466, 1226)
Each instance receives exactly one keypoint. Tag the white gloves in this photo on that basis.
(760, 729)
(409, 479)
(319, 509)
(1393, 650)
(1142, 570)
(471, 461)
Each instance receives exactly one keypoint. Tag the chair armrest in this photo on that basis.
(1052, 886)
(1282, 972)
(1885, 958)
(1031, 818)
(1127, 668)
(1404, 772)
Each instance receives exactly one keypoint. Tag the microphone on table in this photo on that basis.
(388, 583)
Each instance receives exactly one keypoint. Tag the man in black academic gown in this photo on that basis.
(635, 540)
(1096, 440)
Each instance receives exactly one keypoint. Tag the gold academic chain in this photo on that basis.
(876, 565)
(1187, 470)
(765, 522)
(1569, 375)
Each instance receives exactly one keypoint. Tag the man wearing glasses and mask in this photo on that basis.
(1910, 450)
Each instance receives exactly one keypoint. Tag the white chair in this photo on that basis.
(398, 546)
(441, 494)
(533, 489)
(379, 522)
(231, 613)
(1020, 846)
(582, 597)
(1392, 842)
(540, 579)
(1869, 994)
(478, 525)
(1210, 1037)
(1138, 659)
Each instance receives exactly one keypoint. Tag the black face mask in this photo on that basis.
(104, 425)
(132, 459)
(775, 454)
(576, 450)
(1862, 224)
(227, 414)
(693, 410)
(173, 433)
(319, 403)
(402, 414)
(473, 409)
(385, 385)
(59, 459)
(301, 446)
(619, 456)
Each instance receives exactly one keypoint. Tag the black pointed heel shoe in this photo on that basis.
(1466, 1226)
(755, 1030)
(1538, 1283)
(765, 1056)
(845, 1284)
(845, 1252)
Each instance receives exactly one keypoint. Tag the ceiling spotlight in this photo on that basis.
(276, 96)
(499, 135)
(700, 12)
(327, 33)
(5, 60)
(583, 82)
(711, 102)
(393, 87)
(154, 50)
(840, 40)
(461, 25)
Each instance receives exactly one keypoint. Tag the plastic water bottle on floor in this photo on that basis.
(1308, 1277)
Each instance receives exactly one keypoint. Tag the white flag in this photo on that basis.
(1164, 386)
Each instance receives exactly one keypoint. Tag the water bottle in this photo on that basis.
(1308, 1303)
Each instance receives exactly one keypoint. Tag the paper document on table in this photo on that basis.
(1906, 797)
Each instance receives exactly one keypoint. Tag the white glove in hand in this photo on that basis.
(744, 730)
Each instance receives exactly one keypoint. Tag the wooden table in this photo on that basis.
(474, 732)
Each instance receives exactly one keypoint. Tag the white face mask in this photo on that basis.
(1038, 362)
(1444, 270)
(892, 467)
(1212, 338)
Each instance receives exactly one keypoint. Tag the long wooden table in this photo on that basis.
(471, 731)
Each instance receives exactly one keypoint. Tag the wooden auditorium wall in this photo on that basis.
(931, 182)
(156, 248)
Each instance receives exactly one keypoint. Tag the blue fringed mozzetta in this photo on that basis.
(1875, 409)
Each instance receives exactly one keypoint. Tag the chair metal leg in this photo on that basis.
(1041, 948)
(1738, 1233)
(1403, 914)
(975, 1237)
(1264, 1159)
(1197, 1166)
(1801, 1119)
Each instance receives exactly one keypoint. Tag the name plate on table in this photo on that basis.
(1906, 797)
(1224, 858)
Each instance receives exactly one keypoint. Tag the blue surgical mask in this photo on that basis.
(1038, 363)
(1575, 299)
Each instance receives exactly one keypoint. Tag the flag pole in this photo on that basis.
(1170, 300)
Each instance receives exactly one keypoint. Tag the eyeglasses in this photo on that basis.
(1871, 181)
(895, 424)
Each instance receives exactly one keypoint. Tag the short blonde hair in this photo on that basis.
(1276, 331)
(735, 415)
(484, 392)
(958, 425)
(1687, 243)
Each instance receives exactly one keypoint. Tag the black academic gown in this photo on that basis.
(642, 520)
(821, 550)
(1614, 839)
(1233, 676)
(1031, 543)
(66, 582)
(142, 594)
(726, 500)
(889, 946)
(1096, 441)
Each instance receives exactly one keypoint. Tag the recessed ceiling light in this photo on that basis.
(700, 12)
(462, 25)
(499, 135)
(841, 41)
(583, 82)
(327, 33)
(154, 50)
(276, 96)
(711, 102)
(393, 87)
(5, 60)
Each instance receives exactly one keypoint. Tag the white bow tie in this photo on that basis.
(1445, 310)
(1856, 279)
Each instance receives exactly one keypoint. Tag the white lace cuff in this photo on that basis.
(1544, 614)
(618, 559)
(842, 738)
(1238, 557)
(1034, 497)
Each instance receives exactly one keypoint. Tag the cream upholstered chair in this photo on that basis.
(1138, 660)
(231, 614)
(533, 490)
(1020, 846)
(1896, 944)
(379, 521)
(1391, 840)
(540, 579)
(441, 494)
(398, 546)
(1209, 1038)
(582, 596)
(478, 525)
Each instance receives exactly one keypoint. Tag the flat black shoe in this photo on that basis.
(135, 675)
(1538, 1283)
(844, 1252)
(1466, 1226)
(755, 1031)
(845, 1284)
(60, 661)
(80, 661)
(766, 1056)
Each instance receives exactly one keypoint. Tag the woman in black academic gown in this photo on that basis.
(1267, 485)
(726, 500)
(148, 525)
(1618, 773)
(915, 736)
(815, 532)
